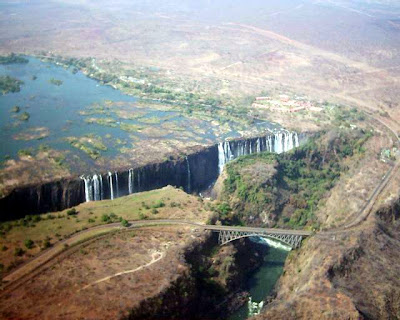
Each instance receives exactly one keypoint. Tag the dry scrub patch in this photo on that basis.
(343, 275)
(64, 284)
(355, 186)
(165, 203)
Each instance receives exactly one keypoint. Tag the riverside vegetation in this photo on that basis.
(9, 84)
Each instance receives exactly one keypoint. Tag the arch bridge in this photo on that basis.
(289, 237)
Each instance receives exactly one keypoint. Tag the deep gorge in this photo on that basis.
(194, 172)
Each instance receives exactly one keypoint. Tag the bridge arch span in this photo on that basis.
(291, 240)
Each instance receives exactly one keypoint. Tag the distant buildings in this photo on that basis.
(285, 104)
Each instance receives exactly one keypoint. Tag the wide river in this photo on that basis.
(80, 107)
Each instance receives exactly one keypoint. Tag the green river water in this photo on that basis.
(261, 283)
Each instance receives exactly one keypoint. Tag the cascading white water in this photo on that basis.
(272, 243)
(110, 181)
(130, 180)
(96, 187)
(254, 308)
(221, 157)
(116, 183)
(270, 146)
(188, 175)
(277, 142)
(87, 188)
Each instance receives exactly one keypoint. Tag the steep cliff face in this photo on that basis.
(214, 273)
(52, 196)
(195, 171)
(346, 275)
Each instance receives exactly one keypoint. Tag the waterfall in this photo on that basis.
(269, 144)
(110, 181)
(277, 142)
(188, 175)
(87, 188)
(96, 188)
(221, 156)
(130, 180)
(116, 182)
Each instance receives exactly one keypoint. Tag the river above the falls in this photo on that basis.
(92, 123)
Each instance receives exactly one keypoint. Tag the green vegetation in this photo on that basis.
(90, 144)
(25, 152)
(18, 252)
(149, 85)
(29, 243)
(124, 223)
(130, 127)
(9, 84)
(288, 187)
(72, 212)
(15, 109)
(24, 116)
(109, 218)
(56, 82)
(107, 122)
(13, 58)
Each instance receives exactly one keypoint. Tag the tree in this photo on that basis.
(28, 243)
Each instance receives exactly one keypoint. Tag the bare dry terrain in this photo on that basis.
(89, 283)
(327, 50)
(50, 229)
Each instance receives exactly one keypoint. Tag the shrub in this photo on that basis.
(154, 211)
(36, 218)
(124, 223)
(18, 252)
(158, 204)
(24, 116)
(105, 218)
(72, 212)
(46, 244)
(142, 216)
(113, 216)
(28, 243)
(25, 152)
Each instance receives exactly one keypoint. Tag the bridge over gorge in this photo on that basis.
(227, 234)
